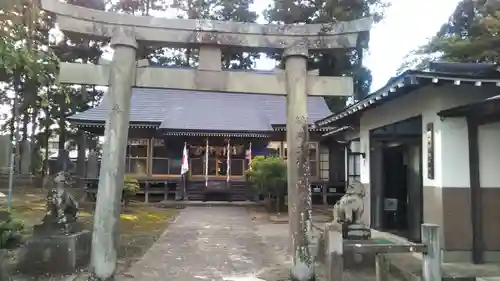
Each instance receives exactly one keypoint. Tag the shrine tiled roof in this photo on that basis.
(205, 111)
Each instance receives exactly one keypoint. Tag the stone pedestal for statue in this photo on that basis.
(347, 214)
(357, 233)
(59, 245)
(50, 251)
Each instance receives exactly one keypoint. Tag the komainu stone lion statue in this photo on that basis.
(62, 207)
(350, 208)
(347, 213)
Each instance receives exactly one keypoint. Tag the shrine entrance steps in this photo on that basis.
(190, 203)
(197, 191)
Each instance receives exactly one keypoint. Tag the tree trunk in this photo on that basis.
(62, 124)
(15, 123)
(47, 138)
(61, 161)
(25, 143)
(80, 162)
(35, 156)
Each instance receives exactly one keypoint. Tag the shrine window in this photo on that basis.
(217, 160)
(196, 160)
(354, 162)
(160, 161)
(137, 157)
(238, 157)
(313, 159)
(274, 149)
(313, 151)
(166, 156)
(324, 163)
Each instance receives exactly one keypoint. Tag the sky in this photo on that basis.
(407, 25)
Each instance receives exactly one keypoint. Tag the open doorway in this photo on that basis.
(396, 178)
(395, 193)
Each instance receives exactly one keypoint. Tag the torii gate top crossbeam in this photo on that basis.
(184, 32)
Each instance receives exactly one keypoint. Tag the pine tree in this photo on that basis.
(224, 10)
(470, 35)
(337, 62)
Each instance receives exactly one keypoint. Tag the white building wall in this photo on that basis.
(451, 164)
(489, 155)
(351, 134)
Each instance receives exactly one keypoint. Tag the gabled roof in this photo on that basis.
(410, 80)
(181, 110)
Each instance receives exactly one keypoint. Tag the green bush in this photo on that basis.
(10, 230)
(130, 188)
(268, 175)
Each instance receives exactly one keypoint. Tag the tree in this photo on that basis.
(225, 10)
(470, 35)
(339, 62)
(27, 67)
(130, 188)
(268, 174)
(40, 100)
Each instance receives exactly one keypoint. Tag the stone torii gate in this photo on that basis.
(127, 32)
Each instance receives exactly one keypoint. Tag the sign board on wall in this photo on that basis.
(429, 134)
(390, 204)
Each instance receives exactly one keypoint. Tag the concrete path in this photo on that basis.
(206, 243)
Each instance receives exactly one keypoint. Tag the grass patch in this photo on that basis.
(140, 226)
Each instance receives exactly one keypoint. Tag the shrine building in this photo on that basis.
(162, 121)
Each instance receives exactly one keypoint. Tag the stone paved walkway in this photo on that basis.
(222, 244)
(205, 243)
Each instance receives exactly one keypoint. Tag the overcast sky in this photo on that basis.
(408, 24)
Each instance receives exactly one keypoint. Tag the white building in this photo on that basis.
(427, 148)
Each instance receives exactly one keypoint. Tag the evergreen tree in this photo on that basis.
(224, 10)
(337, 62)
(470, 35)
(29, 68)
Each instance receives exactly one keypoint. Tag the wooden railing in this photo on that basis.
(430, 248)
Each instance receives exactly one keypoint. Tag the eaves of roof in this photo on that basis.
(404, 83)
(463, 110)
(98, 124)
(177, 132)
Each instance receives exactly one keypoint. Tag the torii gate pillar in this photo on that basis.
(297, 136)
(107, 215)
